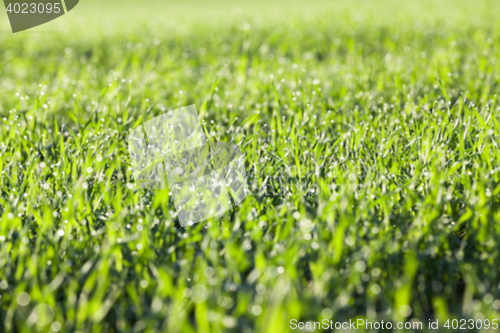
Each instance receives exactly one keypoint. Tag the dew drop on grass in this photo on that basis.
(360, 266)
(55, 326)
(4, 285)
(405, 310)
(199, 293)
(375, 289)
(256, 310)
(41, 315)
(23, 299)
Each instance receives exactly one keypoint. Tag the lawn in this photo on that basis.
(370, 131)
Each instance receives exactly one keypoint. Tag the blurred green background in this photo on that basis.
(394, 100)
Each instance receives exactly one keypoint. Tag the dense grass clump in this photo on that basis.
(370, 132)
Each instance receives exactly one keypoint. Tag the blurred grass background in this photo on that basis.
(394, 99)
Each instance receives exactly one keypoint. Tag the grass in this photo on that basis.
(370, 131)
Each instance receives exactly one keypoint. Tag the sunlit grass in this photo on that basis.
(370, 133)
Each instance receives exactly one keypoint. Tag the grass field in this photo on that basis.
(370, 130)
